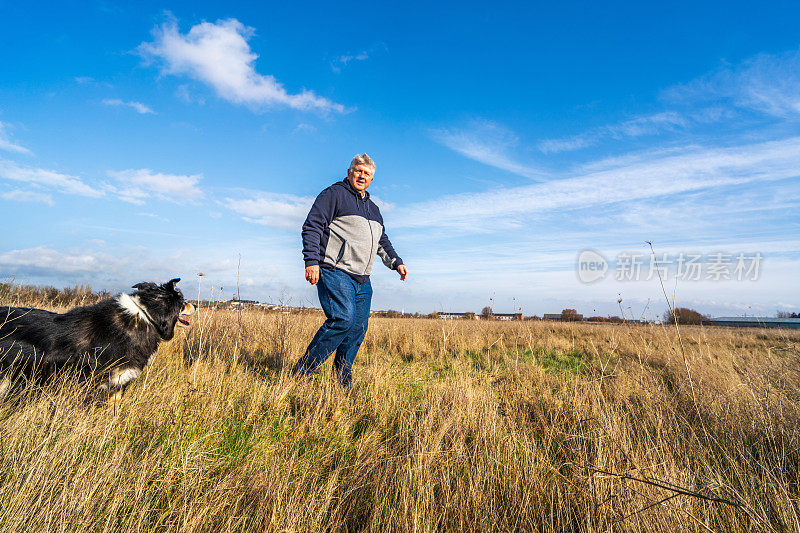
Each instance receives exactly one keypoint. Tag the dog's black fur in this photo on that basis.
(111, 341)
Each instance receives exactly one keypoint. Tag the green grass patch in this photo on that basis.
(560, 363)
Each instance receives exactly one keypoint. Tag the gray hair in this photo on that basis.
(362, 159)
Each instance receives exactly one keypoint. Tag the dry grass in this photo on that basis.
(449, 426)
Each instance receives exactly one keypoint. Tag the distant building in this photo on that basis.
(451, 316)
(560, 316)
(276, 307)
(507, 316)
(755, 322)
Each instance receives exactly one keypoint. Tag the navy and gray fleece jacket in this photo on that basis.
(345, 231)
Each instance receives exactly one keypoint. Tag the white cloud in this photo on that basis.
(219, 55)
(343, 60)
(27, 196)
(648, 124)
(183, 93)
(42, 259)
(304, 128)
(88, 81)
(646, 177)
(282, 211)
(7, 144)
(487, 142)
(137, 185)
(653, 124)
(275, 210)
(47, 178)
(139, 107)
(766, 83)
(154, 216)
(566, 144)
(383, 205)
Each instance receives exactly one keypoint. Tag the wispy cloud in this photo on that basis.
(154, 216)
(487, 142)
(43, 260)
(342, 61)
(567, 144)
(139, 107)
(138, 185)
(218, 54)
(766, 83)
(646, 177)
(648, 124)
(183, 93)
(7, 144)
(88, 81)
(47, 178)
(275, 210)
(653, 124)
(304, 128)
(18, 195)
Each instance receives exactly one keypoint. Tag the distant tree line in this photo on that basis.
(391, 313)
(684, 315)
(610, 319)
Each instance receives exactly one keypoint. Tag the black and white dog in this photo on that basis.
(111, 341)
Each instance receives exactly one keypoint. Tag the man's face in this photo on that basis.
(360, 177)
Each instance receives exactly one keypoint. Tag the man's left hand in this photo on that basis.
(403, 271)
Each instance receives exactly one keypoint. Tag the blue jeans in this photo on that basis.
(346, 304)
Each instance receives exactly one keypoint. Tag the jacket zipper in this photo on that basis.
(371, 235)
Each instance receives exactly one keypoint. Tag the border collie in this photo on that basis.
(111, 341)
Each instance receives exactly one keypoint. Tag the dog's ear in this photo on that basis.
(171, 283)
(145, 285)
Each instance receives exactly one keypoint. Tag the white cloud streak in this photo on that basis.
(27, 196)
(567, 144)
(274, 210)
(488, 143)
(766, 83)
(7, 144)
(648, 177)
(654, 124)
(139, 107)
(343, 60)
(138, 185)
(42, 259)
(47, 178)
(218, 54)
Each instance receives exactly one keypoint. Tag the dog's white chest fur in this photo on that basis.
(132, 306)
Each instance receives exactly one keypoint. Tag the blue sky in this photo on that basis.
(167, 139)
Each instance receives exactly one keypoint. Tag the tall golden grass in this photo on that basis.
(449, 425)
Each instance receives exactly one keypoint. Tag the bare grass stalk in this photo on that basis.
(483, 425)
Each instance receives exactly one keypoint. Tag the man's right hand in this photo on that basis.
(312, 274)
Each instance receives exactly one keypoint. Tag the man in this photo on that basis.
(341, 236)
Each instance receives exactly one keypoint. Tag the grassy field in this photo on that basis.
(450, 425)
